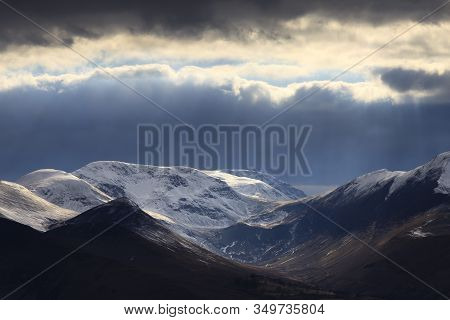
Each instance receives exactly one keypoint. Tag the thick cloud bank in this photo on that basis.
(180, 18)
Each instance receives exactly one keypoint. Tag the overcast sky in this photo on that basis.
(225, 62)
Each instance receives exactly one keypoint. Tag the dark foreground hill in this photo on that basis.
(135, 257)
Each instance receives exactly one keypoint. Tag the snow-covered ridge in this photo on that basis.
(444, 181)
(368, 182)
(183, 197)
(439, 167)
(360, 187)
(288, 191)
(64, 189)
(249, 187)
(19, 204)
(437, 170)
(187, 196)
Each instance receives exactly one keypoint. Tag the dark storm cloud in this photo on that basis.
(403, 80)
(190, 18)
(97, 120)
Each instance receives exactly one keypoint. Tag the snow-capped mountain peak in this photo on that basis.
(444, 180)
(361, 186)
(368, 182)
(185, 195)
(64, 189)
(436, 173)
(437, 169)
(443, 161)
(21, 205)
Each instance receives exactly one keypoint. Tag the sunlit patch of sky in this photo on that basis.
(320, 75)
(177, 65)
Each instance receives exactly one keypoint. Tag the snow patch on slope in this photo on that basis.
(21, 205)
(249, 187)
(284, 188)
(419, 233)
(64, 189)
(159, 216)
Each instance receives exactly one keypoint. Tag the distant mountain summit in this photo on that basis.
(186, 196)
(19, 204)
(64, 189)
(189, 197)
(437, 171)
(259, 184)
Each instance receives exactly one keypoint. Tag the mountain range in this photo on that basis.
(177, 232)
